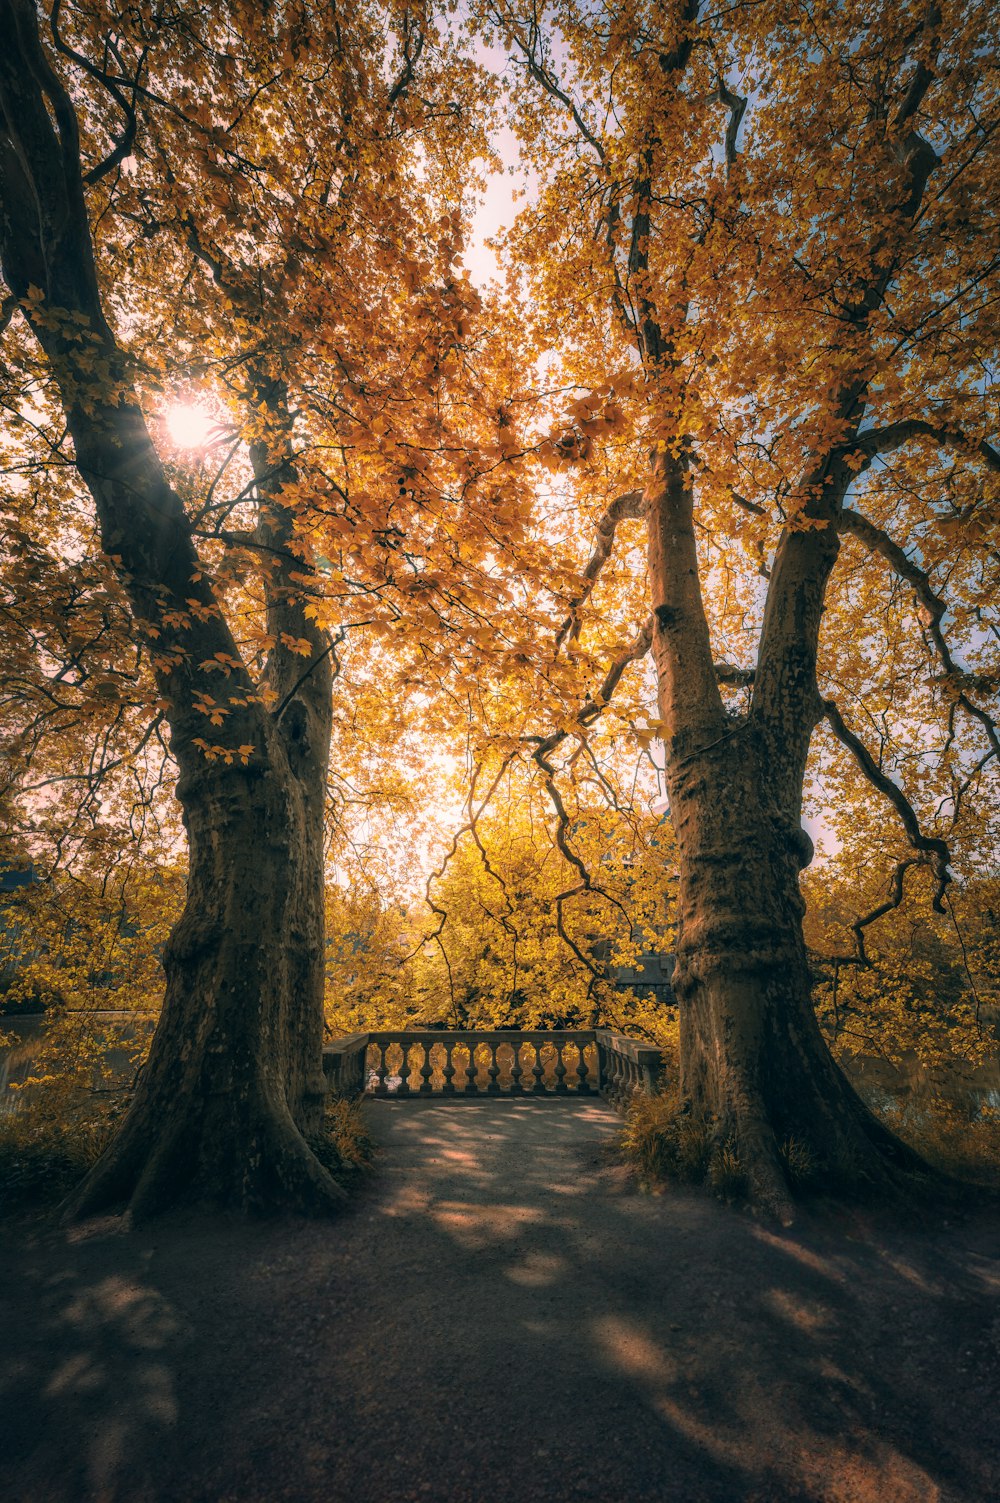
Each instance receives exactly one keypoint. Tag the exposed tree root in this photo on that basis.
(268, 1169)
(857, 1157)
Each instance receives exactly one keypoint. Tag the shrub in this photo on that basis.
(344, 1146)
(43, 1155)
(45, 1150)
(664, 1141)
(942, 1133)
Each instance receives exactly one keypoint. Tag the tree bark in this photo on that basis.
(234, 1076)
(754, 1064)
(753, 1060)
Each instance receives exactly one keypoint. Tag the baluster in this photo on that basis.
(493, 1070)
(538, 1071)
(516, 1072)
(448, 1089)
(381, 1072)
(426, 1070)
(583, 1084)
(404, 1070)
(561, 1086)
(471, 1071)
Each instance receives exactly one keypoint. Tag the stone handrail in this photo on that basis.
(344, 1065)
(626, 1065)
(525, 1072)
(468, 1064)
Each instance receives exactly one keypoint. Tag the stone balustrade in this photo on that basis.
(344, 1065)
(626, 1065)
(470, 1064)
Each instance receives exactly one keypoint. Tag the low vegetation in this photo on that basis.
(44, 1153)
(666, 1143)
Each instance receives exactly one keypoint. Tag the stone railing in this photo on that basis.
(344, 1064)
(626, 1065)
(468, 1064)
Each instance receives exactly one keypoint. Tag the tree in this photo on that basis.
(213, 137)
(761, 247)
(748, 309)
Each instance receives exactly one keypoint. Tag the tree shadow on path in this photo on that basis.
(503, 1317)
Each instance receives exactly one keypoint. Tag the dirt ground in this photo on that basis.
(502, 1317)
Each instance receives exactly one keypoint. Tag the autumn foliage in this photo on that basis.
(695, 502)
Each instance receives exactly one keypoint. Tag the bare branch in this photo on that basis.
(894, 435)
(630, 505)
(931, 849)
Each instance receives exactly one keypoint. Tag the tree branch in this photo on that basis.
(630, 505)
(531, 51)
(930, 849)
(736, 105)
(737, 678)
(690, 704)
(933, 608)
(893, 436)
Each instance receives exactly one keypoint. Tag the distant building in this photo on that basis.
(650, 972)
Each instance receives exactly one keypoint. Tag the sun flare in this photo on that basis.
(189, 425)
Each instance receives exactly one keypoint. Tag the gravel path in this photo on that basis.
(502, 1317)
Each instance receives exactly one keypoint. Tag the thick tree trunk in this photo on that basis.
(754, 1063)
(234, 1077)
(753, 1060)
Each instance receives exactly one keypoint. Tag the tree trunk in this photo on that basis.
(234, 1076)
(753, 1060)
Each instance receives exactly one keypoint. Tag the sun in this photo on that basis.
(190, 426)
